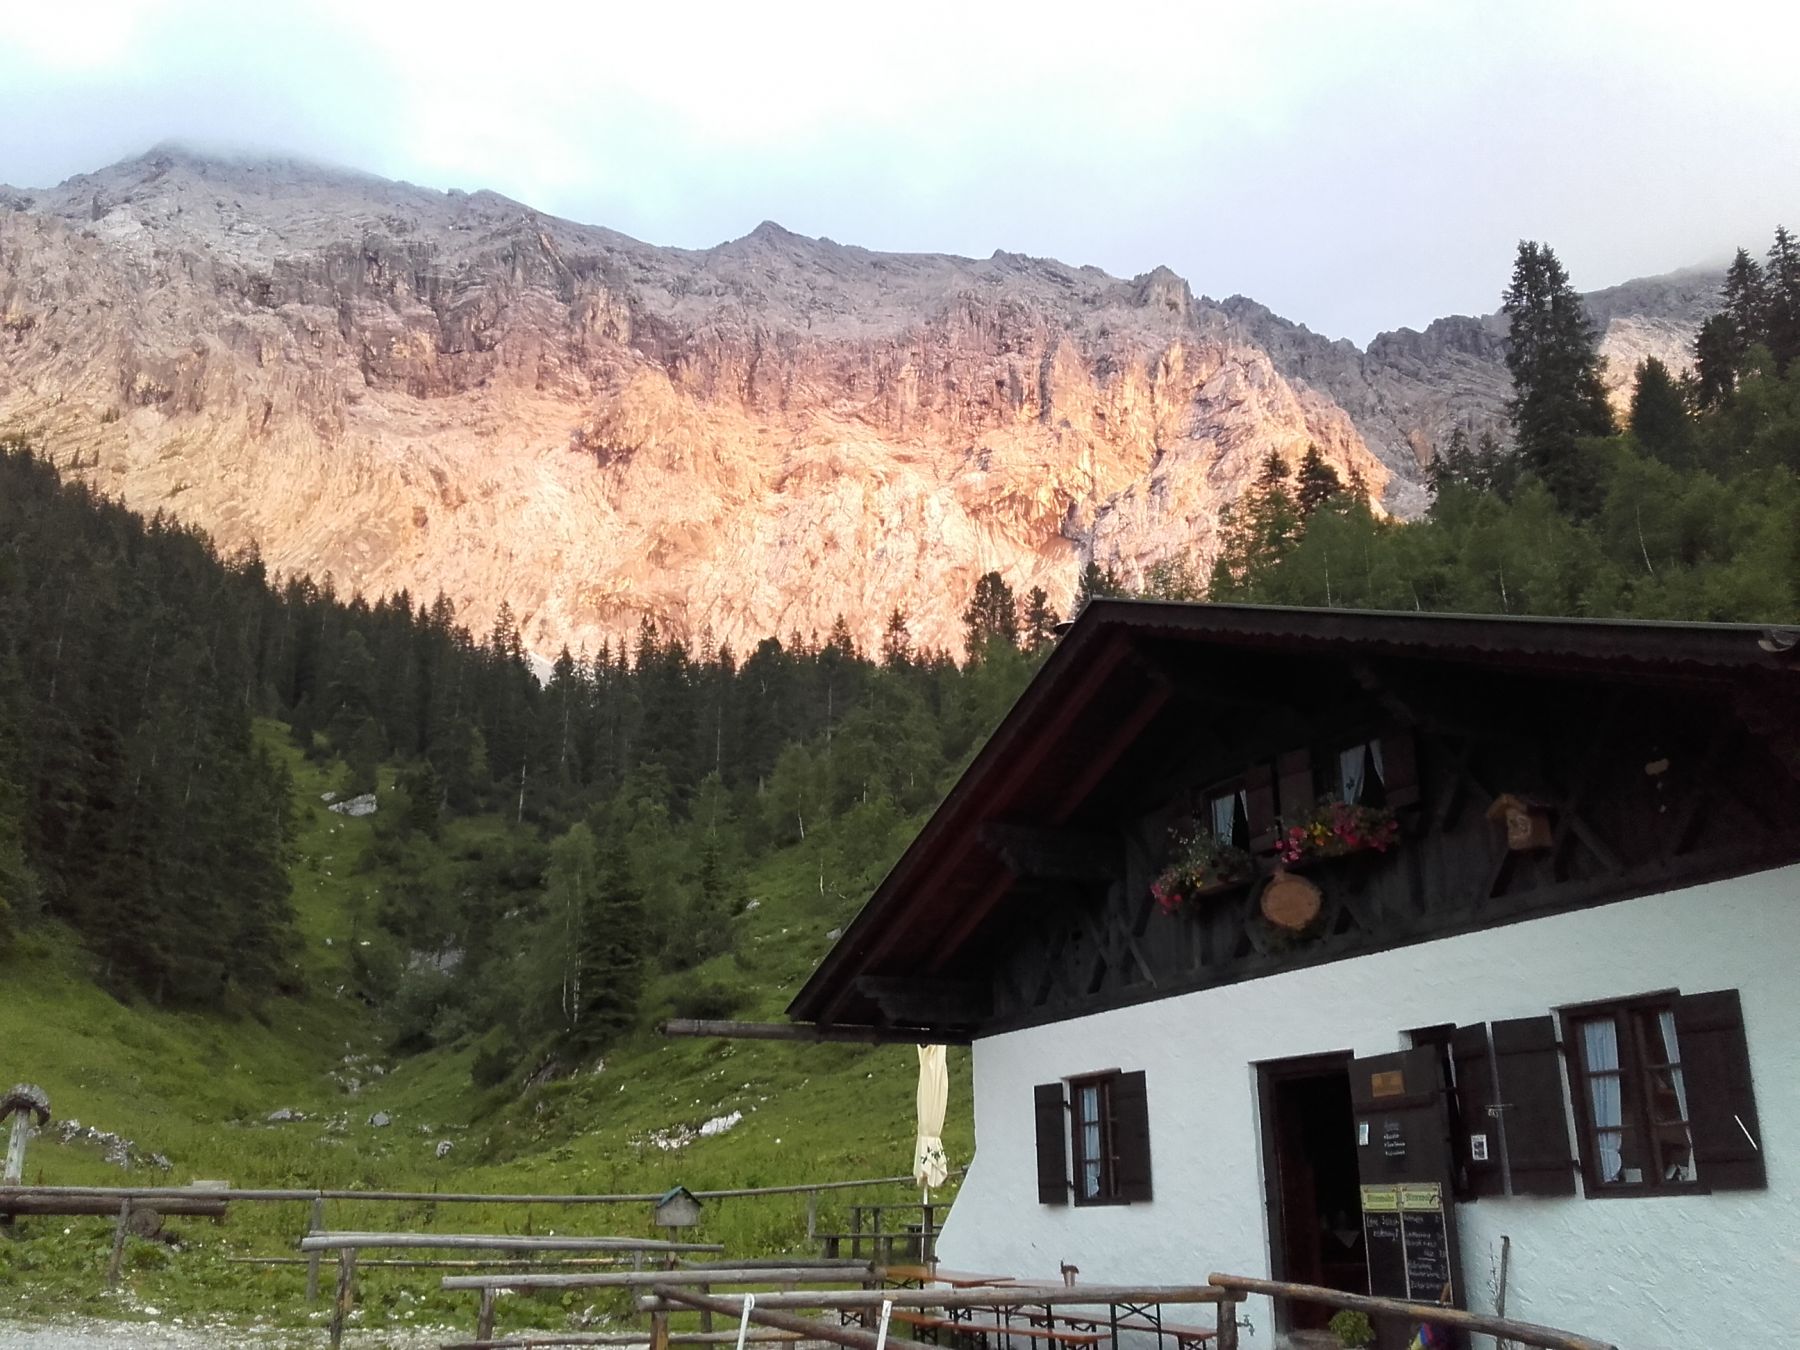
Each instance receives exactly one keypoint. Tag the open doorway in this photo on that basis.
(1310, 1171)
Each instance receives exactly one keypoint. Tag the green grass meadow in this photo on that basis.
(198, 1090)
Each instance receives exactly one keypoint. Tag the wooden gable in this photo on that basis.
(1650, 750)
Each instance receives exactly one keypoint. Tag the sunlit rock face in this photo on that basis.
(452, 392)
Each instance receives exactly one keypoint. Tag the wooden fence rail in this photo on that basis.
(1503, 1328)
(118, 1193)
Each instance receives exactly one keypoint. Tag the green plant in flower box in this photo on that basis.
(1202, 862)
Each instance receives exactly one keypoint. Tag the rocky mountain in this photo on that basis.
(450, 391)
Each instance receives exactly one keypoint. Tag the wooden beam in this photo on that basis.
(952, 938)
(1502, 1328)
(950, 853)
(924, 1001)
(1102, 762)
(811, 1032)
(1055, 855)
(985, 1296)
(643, 1279)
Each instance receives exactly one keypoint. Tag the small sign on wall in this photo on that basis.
(1478, 1148)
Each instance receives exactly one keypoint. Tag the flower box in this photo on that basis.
(1202, 865)
(1333, 829)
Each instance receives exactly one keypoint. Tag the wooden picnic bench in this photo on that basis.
(346, 1245)
(995, 1331)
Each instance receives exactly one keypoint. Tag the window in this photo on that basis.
(1228, 816)
(1361, 775)
(1633, 1096)
(1091, 1135)
(1093, 1140)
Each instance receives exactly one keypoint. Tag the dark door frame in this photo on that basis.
(1270, 1074)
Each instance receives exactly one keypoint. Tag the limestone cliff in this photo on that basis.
(407, 388)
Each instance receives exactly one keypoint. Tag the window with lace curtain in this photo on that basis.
(1632, 1098)
(1361, 775)
(1227, 815)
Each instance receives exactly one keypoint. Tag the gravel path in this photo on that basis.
(92, 1334)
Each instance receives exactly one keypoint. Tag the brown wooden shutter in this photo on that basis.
(1131, 1137)
(1533, 1111)
(1399, 768)
(1295, 789)
(1715, 1063)
(1259, 806)
(1474, 1095)
(1052, 1144)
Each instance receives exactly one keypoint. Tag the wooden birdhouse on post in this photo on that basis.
(26, 1104)
(1527, 822)
(676, 1209)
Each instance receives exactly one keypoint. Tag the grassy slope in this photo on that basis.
(197, 1089)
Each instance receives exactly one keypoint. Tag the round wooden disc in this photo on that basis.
(1290, 902)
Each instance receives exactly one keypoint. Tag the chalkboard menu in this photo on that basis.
(1407, 1244)
(1384, 1240)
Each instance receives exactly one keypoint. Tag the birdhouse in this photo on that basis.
(1527, 822)
(677, 1209)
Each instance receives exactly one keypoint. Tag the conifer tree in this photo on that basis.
(1716, 358)
(1040, 622)
(1316, 483)
(896, 641)
(1659, 414)
(1255, 533)
(1558, 398)
(1094, 583)
(1781, 300)
(1453, 466)
(991, 619)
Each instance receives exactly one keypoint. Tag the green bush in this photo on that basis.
(1352, 1329)
(495, 1058)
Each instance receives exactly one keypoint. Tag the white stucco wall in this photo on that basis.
(1683, 1272)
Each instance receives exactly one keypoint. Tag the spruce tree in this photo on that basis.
(1040, 622)
(1558, 399)
(1746, 302)
(1317, 482)
(896, 641)
(1095, 582)
(1716, 358)
(1453, 466)
(1781, 300)
(1659, 415)
(1255, 533)
(991, 619)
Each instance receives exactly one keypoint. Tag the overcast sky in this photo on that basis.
(1355, 166)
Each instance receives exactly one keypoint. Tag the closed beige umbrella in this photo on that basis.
(929, 1166)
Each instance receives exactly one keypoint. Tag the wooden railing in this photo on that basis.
(1501, 1328)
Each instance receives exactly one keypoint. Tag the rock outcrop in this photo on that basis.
(448, 391)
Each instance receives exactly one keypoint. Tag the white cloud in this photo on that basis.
(1355, 166)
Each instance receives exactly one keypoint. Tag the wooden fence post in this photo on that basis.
(1227, 1324)
(812, 1216)
(315, 1223)
(346, 1293)
(25, 1103)
(484, 1319)
(116, 1266)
